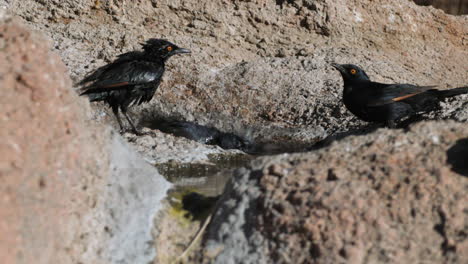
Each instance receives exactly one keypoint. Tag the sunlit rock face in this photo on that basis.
(72, 191)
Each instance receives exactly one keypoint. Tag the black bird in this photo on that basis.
(130, 79)
(387, 103)
(203, 134)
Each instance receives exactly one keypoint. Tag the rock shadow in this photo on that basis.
(341, 135)
(202, 134)
(364, 130)
(457, 157)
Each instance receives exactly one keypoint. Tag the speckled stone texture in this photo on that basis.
(72, 191)
(387, 197)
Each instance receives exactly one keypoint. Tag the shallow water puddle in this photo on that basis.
(190, 203)
(206, 178)
(197, 187)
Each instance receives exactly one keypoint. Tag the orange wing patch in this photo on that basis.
(404, 97)
(117, 85)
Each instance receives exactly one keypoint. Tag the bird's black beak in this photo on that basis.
(338, 67)
(180, 51)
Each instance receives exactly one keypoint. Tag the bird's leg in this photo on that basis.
(131, 122)
(411, 120)
(391, 124)
(115, 110)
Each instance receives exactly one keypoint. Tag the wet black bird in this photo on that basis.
(388, 103)
(130, 79)
(203, 134)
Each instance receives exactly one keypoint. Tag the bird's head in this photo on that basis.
(351, 72)
(162, 49)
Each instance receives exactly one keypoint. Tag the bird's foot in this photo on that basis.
(133, 131)
(391, 124)
(138, 132)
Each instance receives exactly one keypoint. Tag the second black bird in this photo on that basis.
(131, 79)
(387, 103)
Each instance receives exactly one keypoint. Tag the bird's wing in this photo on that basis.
(122, 58)
(391, 93)
(125, 74)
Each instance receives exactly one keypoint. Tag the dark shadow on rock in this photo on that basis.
(406, 123)
(341, 135)
(457, 157)
(454, 7)
(202, 134)
(367, 129)
(226, 140)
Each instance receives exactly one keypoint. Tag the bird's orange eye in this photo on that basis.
(169, 48)
(353, 71)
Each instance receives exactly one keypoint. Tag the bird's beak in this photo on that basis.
(181, 51)
(338, 67)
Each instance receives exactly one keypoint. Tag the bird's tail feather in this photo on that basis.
(454, 91)
(93, 97)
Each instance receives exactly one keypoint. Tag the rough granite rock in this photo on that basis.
(72, 191)
(392, 196)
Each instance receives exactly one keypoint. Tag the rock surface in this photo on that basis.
(386, 197)
(260, 63)
(159, 148)
(72, 191)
